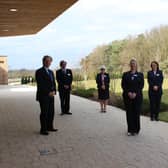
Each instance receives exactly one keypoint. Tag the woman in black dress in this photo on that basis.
(103, 82)
(132, 85)
(155, 81)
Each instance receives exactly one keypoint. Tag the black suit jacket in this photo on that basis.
(132, 83)
(45, 84)
(106, 81)
(155, 80)
(64, 79)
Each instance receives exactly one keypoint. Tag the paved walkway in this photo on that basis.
(87, 139)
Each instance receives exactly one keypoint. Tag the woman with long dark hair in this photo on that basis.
(155, 81)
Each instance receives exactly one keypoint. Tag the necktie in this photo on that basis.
(50, 74)
(63, 71)
(47, 71)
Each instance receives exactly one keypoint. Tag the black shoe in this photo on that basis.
(62, 114)
(68, 113)
(132, 134)
(129, 134)
(152, 119)
(44, 133)
(156, 119)
(53, 130)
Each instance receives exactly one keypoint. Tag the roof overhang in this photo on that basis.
(26, 17)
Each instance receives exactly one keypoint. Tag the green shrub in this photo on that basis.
(87, 93)
(163, 116)
(117, 100)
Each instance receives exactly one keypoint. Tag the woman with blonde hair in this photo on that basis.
(132, 85)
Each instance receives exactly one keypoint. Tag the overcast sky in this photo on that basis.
(81, 28)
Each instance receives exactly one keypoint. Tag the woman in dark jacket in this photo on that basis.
(155, 81)
(103, 82)
(132, 85)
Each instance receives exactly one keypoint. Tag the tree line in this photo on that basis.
(146, 47)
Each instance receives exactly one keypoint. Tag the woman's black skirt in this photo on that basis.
(103, 94)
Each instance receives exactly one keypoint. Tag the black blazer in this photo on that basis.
(45, 84)
(64, 78)
(155, 80)
(106, 81)
(132, 83)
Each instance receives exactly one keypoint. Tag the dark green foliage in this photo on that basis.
(87, 93)
(27, 80)
(117, 101)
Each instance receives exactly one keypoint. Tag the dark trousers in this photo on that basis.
(155, 100)
(47, 113)
(65, 100)
(133, 111)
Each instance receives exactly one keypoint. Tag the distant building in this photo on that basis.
(3, 70)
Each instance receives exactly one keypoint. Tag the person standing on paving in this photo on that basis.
(46, 89)
(132, 85)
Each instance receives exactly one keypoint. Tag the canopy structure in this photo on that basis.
(25, 17)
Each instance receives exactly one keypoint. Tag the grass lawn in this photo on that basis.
(117, 83)
(164, 116)
(88, 89)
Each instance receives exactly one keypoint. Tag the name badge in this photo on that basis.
(134, 76)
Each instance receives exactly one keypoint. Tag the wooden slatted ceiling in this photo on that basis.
(24, 17)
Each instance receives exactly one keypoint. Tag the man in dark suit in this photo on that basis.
(46, 89)
(64, 78)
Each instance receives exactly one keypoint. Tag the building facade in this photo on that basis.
(3, 70)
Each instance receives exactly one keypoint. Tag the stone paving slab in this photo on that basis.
(87, 139)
